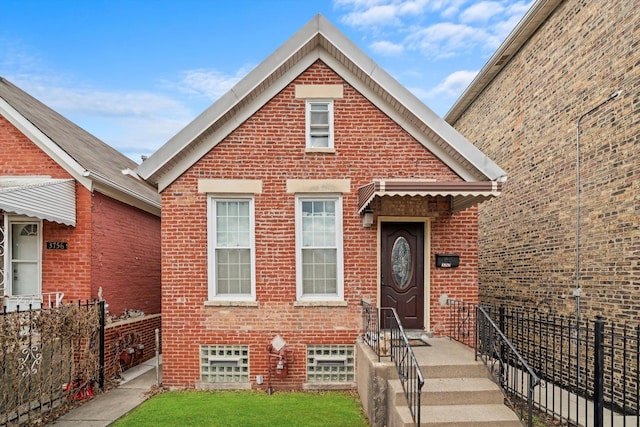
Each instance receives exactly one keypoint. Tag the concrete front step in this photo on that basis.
(460, 391)
(468, 370)
(497, 415)
(452, 391)
(457, 391)
(448, 359)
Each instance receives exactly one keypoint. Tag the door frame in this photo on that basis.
(426, 221)
(9, 220)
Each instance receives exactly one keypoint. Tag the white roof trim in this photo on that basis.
(44, 198)
(43, 142)
(193, 141)
(522, 32)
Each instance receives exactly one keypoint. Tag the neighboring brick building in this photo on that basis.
(564, 59)
(317, 182)
(74, 219)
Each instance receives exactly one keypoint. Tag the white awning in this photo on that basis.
(40, 197)
(463, 194)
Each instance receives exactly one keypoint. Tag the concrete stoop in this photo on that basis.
(456, 393)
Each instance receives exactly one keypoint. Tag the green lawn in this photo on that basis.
(248, 408)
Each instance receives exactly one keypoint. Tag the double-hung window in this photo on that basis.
(319, 248)
(319, 123)
(231, 248)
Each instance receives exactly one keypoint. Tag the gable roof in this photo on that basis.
(528, 25)
(93, 163)
(317, 40)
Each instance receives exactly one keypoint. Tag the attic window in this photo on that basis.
(319, 124)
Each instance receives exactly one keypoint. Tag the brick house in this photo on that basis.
(75, 222)
(543, 95)
(317, 182)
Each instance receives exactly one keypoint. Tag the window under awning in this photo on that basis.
(463, 194)
(40, 197)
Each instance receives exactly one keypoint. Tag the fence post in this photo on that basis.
(501, 325)
(598, 373)
(101, 339)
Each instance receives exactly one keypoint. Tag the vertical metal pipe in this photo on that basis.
(157, 331)
(101, 349)
(598, 373)
(576, 290)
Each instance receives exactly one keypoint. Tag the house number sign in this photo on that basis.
(57, 245)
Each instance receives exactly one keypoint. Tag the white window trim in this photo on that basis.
(339, 296)
(211, 264)
(330, 146)
(8, 255)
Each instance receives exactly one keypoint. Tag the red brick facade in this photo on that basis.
(137, 334)
(270, 146)
(125, 256)
(113, 245)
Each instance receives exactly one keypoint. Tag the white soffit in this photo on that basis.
(44, 198)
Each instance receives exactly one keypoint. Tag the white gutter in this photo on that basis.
(106, 181)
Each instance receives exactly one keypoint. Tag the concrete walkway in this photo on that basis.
(107, 407)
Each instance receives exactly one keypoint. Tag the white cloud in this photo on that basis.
(453, 85)
(376, 13)
(210, 83)
(481, 11)
(446, 39)
(132, 122)
(436, 28)
(387, 48)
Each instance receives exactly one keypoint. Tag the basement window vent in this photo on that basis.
(330, 363)
(224, 363)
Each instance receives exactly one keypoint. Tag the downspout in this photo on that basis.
(106, 181)
(576, 289)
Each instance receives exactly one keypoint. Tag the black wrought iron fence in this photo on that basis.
(49, 359)
(462, 322)
(589, 371)
(371, 327)
(507, 366)
(384, 333)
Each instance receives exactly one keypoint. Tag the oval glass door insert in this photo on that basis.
(401, 262)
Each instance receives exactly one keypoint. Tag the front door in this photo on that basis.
(25, 258)
(402, 271)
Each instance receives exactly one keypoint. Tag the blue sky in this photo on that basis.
(134, 72)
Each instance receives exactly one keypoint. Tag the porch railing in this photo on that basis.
(590, 372)
(508, 368)
(35, 301)
(384, 333)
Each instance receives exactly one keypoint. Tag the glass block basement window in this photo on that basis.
(330, 363)
(224, 363)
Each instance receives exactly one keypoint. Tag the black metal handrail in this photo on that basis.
(591, 372)
(383, 332)
(371, 327)
(508, 368)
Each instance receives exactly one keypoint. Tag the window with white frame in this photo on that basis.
(319, 123)
(231, 248)
(319, 248)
